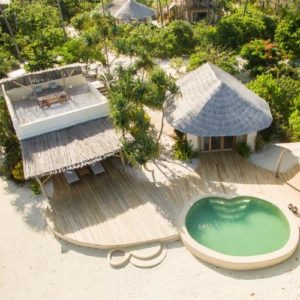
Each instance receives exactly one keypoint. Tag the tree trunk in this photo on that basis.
(161, 13)
(105, 43)
(187, 11)
(61, 19)
(12, 35)
(162, 125)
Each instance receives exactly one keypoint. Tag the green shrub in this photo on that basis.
(182, 149)
(259, 143)
(243, 149)
(18, 173)
(261, 56)
(35, 187)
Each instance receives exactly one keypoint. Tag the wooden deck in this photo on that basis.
(114, 209)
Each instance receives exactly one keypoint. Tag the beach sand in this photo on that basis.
(34, 265)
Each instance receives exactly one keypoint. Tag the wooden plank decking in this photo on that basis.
(114, 209)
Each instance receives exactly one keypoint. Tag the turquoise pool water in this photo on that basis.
(243, 226)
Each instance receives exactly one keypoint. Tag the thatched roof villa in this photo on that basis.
(60, 120)
(133, 11)
(216, 110)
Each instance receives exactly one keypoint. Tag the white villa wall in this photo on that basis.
(251, 140)
(61, 121)
(198, 142)
(194, 141)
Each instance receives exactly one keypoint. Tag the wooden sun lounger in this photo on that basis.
(71, 176)
(97, 168)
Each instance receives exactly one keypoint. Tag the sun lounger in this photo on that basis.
(71, 176)
(97, 168)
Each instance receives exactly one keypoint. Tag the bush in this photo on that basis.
(236, 29)
(243, 149)
(35, 187)
(18, 173)
(182, 149)
(178, 39)
(288, 33)
(222, 57)
(259, 143)
(260, 55)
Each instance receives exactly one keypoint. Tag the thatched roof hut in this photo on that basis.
(133, 10)
(215, 103)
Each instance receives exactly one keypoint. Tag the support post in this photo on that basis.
(279, 162)
(42, 187)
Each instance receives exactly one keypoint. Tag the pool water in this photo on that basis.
(243, 226)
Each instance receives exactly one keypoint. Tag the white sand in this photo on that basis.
(34, 265)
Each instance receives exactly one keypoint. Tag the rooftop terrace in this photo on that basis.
(28, 109)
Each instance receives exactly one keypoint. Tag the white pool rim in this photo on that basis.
(239, 262)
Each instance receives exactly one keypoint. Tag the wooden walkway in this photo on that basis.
(114, 209)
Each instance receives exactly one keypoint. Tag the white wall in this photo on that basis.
(194, 141)
(251, 140)
(61, 121)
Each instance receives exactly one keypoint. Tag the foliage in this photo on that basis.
(259, 142)
(294, 120)
(280, 94)
(236, 29)
(38, 31)
(35, 187)
(7, 62)
(78, 50)
(288, 33)
(127, 97)
(17, 172)
(204, 34)
(178, 38)
(261, 56)
(182, 149)
(243, 149)
(8, 141)
(174, 40)
(222, 57)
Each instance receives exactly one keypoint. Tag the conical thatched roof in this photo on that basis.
(214, 103)
(133, 10)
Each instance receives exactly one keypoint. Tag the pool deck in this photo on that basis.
(115, 209)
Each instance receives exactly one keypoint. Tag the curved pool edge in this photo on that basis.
(239, 262)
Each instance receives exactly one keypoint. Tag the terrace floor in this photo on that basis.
(28, 110)
(115, 209)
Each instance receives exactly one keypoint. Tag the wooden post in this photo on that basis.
(279, 162)
(42, 187)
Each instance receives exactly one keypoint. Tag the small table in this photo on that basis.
(83, 171)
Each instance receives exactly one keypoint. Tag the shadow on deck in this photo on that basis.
(115, 209)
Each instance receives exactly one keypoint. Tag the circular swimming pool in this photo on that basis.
(239, 233)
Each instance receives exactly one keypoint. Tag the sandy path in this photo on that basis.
(34, 265)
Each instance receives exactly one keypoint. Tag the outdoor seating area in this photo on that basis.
(73, 176)
(51, 95)
(119, 209)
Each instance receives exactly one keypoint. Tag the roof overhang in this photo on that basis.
(69, 148)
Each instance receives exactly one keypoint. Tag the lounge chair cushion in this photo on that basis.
(38, 89)
(97, 168)
(52, 85)
(71, 176)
